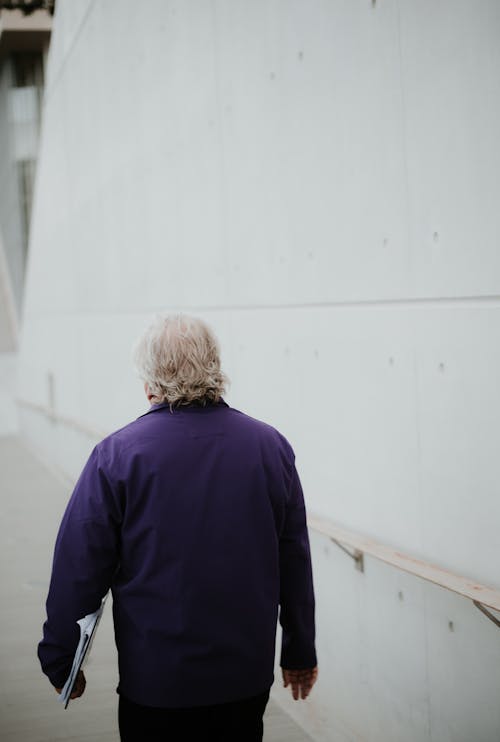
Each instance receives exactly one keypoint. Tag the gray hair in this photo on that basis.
(178, 358)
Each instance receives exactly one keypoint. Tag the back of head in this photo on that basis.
(178, 358)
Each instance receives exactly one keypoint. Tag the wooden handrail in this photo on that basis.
(70, 422)
(481, 595)
(475, 591)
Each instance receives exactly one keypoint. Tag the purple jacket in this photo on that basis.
(195, 519)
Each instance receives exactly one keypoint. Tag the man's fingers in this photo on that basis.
(301, 681)
(79, 685)
(78, 688)
(286, 678)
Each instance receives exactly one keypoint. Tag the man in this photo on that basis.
(193, 516)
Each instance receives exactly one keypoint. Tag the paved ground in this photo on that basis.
(32, 500)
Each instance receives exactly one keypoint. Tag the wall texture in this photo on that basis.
(319, 180)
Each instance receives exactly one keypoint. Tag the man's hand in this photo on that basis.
(301, 681)
(78, 687)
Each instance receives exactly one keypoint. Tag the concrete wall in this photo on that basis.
(8, 411)
(320, 182)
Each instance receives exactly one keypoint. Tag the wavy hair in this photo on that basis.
(178, 358)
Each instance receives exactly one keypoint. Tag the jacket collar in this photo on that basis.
(193, 407)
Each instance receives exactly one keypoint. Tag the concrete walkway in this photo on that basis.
(32, 501)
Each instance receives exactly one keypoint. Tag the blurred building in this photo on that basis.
(24, 42)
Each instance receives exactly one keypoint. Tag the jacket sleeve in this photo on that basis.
(296, 585)
(86, 556)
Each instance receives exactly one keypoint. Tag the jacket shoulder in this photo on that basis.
(264, 430)
(110, 447)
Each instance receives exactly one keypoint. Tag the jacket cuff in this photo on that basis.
(298, 660)
(59, 678)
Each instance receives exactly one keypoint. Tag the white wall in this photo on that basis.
(9, 424)
(320, 182)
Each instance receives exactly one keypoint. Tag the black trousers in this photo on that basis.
(238, 721)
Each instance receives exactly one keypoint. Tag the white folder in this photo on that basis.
(88, 625)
